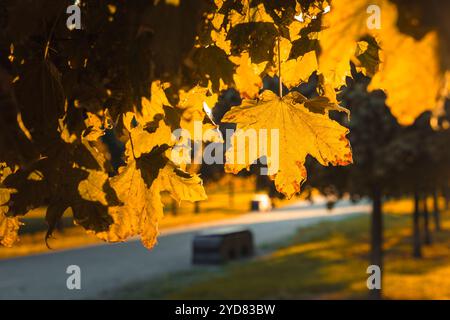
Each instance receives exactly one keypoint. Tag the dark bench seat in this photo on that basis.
(222, 245)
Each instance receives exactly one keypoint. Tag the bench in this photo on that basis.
(222, 245)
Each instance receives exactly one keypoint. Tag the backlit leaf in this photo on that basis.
(247, 77)
(192, 104)
(9, 226)
(410, 75)
(301, 133)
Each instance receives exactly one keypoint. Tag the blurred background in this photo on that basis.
(389, 208)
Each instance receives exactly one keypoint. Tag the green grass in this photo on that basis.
(327, 260)
(323, 259)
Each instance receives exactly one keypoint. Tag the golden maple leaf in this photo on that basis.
(293, 71)
(302, 132)
(143, 208)
(404, 60)
(148, 172)
(219, 34)
(247, 77)
(249, 13)
(145, 137)
(154, 106)
(220, 39)
(182, 186)
(138, 186)
(147, 127)
(9, 226)
(96, 126)
(192, 103)
(410, 75)
(343, 26)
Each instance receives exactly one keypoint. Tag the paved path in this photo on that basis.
(107, 266)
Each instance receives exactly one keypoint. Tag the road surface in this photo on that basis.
(108, 266)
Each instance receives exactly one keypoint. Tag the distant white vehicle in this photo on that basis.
(261, 202)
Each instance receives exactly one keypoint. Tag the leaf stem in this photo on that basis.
(132, 145)
(280, 88)
(50, 36)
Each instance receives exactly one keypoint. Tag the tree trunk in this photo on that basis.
(446, 192)
(174, 207)
(376, 255)
(436, 213)
(417, 249)
(197, 207)
(426, 222)
(231, 193)
(261, 182)
(60, 225)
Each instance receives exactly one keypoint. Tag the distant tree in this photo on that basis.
(372, 130)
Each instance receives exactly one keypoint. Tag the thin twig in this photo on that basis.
(50, 36)
(132, 145)
(280, 89)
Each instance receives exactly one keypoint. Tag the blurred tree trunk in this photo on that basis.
(436, 213)
(376, 255)
(261, 183)
(446, 192)
(426, 222)
(197, 207)
(174, 207)
(417, 250)
(60, 225)
(231, 193)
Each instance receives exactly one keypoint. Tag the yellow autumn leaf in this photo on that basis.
(181, 185)
(219, 34)
(146, 127)
(294, 29)
(194, 98)
(343, 26)
(91, 188)
(410, 75)
(138, 187)
(143, 138)
(247, 77)
(142, 209)
(408, 65)
(192, 103)
(154, 106)
(220, 39)
(367, 57)
(250, 13)
(302, 132)
(404, 60)
(297, 71)
(94, 127)
(293, 71)
(9, 226)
